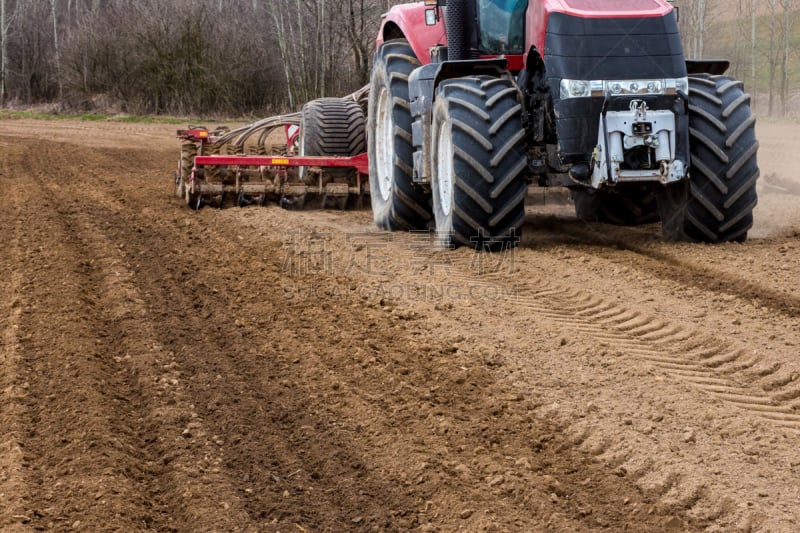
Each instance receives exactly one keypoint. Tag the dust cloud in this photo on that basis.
(777, 213)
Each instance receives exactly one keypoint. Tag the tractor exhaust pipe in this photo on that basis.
(456, 27)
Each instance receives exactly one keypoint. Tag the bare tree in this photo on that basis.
(282, 34)
(772, 53)
(3, 50)
(254, 56)
(787, 27)
(362, 24)
(753, 49)
(700, 28)
(57, 50)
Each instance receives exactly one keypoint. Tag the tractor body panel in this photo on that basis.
(603, 50)
(539, 12)
(408, 21)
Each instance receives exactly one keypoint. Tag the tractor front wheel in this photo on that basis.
(479, 163)
(716, 204)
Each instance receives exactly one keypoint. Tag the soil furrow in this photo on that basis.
(85, 425)
(13, 512)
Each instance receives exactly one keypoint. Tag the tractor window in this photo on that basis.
(502, 26)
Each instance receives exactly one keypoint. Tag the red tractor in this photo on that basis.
(473, 100)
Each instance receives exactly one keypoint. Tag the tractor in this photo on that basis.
(472, 101)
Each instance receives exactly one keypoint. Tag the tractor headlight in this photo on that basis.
(579, 88)
(678, 85)
(574, 89)
(583, 88)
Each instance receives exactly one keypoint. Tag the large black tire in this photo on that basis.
(716, 204)
(397, 202)
(479, 163)
(623, 206)
(332, 127)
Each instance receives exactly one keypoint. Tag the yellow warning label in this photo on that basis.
(276, 161)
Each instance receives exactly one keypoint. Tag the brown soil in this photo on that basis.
(266, 370)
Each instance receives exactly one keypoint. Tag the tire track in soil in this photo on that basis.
(398, 248)
(736, 375)
(371, 402)
(718, 368)
(666, 266)
(732, 374)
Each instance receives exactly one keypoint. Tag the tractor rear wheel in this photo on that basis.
(624, 206)
(716, 204)
(479, 163)
(332, 127)
(397, 202)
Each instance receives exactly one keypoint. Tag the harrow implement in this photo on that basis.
(319, 160)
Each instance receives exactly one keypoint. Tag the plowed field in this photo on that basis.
(260, 369)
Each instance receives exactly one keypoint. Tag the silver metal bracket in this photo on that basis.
(622, 131)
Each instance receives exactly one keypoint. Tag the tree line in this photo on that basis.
(184, 56)
(268, 56)
(758, 36)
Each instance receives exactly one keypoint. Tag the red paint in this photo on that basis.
(410, 18)
(194, 135)
(539, 11)
(516, 62)
(358, 162)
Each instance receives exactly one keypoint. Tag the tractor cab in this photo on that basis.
(501, 26)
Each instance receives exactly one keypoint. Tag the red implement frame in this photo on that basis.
(358, 162)
(271, 175)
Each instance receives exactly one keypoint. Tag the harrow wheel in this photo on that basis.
(332, 127)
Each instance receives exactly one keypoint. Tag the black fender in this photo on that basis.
(449, 70)
(423, 84)
(715, 67)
